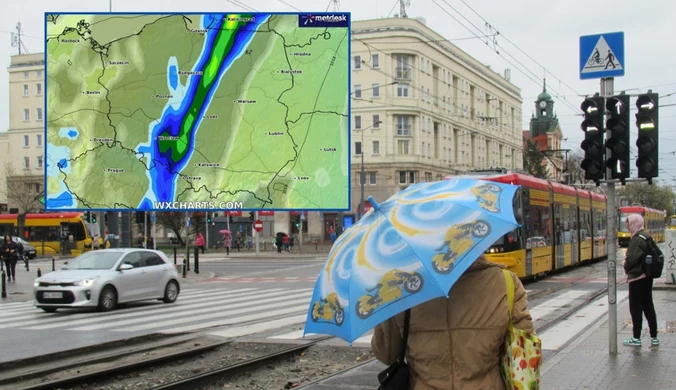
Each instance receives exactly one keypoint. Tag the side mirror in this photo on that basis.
(125, 267)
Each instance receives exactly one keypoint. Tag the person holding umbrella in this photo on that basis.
(444, 317)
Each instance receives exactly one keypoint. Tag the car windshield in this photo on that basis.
(95, 260)
(22, 241)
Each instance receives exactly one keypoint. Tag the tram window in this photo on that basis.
(47, 233)
(77, 229)
(6, 228)
(540, 223)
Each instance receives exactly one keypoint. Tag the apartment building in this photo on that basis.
(23, 164)
(423, 109)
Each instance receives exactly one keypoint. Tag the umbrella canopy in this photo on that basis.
(407, 250)
(224, 231)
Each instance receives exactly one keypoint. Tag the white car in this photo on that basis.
(102, 279)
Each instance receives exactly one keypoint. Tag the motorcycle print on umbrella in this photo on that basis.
(488, 196)
(458, 240)
(328, 309)
(388, 290)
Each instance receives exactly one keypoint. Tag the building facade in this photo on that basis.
(23, 164)
(423, 109)
(545, 132)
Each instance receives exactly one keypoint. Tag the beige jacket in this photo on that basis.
(454, 344)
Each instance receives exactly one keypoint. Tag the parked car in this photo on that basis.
(105, 278)
(28, 250)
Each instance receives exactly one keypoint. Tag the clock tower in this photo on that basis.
(545, 132)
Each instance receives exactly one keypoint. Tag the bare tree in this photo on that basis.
(23, 191)
(575, 172)
(173, 221)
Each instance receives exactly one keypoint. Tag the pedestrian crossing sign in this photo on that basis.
(602, 55)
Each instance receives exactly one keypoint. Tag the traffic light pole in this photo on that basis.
(607, 90)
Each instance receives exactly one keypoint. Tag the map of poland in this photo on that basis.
(156, 111)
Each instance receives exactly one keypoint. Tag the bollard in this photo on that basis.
(25, 259)
(53, 264)
(197, 260)
(175, 256)
(187, 257)
(4, 284)
(39, 272)
(185, 269)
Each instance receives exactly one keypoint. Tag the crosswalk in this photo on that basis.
(268, 313)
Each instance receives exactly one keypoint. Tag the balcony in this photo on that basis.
(403, 73)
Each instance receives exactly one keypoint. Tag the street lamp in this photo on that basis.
(363, 177)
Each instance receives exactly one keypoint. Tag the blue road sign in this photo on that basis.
(152, 217)
(602, 55)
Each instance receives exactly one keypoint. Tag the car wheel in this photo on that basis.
(108, 299)
(48, 309)
(170, 292)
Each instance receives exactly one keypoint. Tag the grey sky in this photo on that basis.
(547, 31)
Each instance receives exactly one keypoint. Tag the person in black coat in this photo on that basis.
(10, 256)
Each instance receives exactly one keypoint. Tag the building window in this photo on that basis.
(357, 91)
(422, 93)
(28, 188)
(372, 178)
(375, 61)
(25, 75)
(403, 125)
(26, 114)
(402, 146)
(376, 147)
(375, 89)
(402, 90)
(357, 121)
(357, 62)
(357, 148)
(39, 73)
(402, 177)
(422, 150)
(428, 176)
(411, 177)
(376, 121)
(26, 141)
(26, 162)
(38, 113)
(38, 89)
(25, 90)
(39, 162)
(403, 71)
(37, 188)
(429, 150)
(38, 139)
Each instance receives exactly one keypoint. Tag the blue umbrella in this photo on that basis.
(407, 250)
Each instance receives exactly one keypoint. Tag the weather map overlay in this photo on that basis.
(206, 111)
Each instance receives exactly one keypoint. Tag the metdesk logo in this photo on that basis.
(326, 20)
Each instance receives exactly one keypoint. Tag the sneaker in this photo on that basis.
(632, 342)
(654, 341)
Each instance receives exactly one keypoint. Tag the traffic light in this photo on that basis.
(617, 144)
(648, 131)
(593, 164)
(140, 217)
(208, 219)
(93, 218)
(252, 216)
(86, 216)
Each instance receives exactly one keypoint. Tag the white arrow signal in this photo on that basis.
(650, 105)
(591, 109)
(619, 107)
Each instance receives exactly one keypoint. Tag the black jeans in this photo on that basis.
(10, 266)
(640, 303)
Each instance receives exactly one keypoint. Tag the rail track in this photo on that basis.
(212, 376)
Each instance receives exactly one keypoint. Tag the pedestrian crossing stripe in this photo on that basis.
(601, 58)
(251, 312)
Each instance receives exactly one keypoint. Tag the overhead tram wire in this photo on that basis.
(518, 48)
(239, 4)
(396, 3)
(537, 82)
(292, 6)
